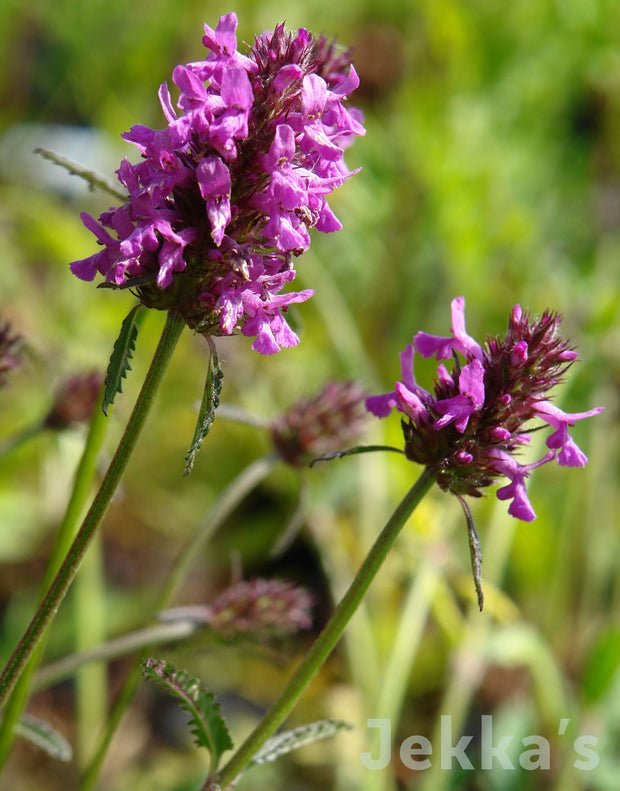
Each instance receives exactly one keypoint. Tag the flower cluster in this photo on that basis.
(262, 607)
(258, 607)
(224, 196)
(320, 423)
(470, 428)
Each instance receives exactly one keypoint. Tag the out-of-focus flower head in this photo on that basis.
(223, 198)
(320, 424)
(9, 348)
(258, 608)
(479, 415)
(74, 401)
(262, 608)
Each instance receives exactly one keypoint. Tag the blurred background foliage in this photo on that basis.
(491, 168)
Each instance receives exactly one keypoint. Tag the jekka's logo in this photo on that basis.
(416, 752)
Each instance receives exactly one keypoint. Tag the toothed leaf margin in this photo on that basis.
(210, 402)
(121, 355)
(208, 727)
(287, 741)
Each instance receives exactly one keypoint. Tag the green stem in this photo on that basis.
(84, 476)
(63, 579)
(113, 649)
(328, 638)
(234, 493)
(88, 600)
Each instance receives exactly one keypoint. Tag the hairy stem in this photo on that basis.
(328, 638)
(247, 479)
(63, 579)
(113, 649)
(84, 476)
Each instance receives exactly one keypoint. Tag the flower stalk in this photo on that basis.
(328, 638)
(312, 425)
(63, 579)
(84, 477)
(250, 477)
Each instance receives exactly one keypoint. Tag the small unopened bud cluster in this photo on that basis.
(479, 415)
(320, 424)
(75, 401)
(262, 608)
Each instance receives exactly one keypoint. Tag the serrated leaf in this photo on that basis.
(210, 402)
(44, 737)
(121, 356)
(208, 727)
(286, 742)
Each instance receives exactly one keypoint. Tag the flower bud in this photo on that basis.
(75, 401)
(262, 608)
(319, 424)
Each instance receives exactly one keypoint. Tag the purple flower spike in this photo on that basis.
(224, 197)
(470, 428)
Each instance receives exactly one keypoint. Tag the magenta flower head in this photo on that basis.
(223, 198)
(470, 428)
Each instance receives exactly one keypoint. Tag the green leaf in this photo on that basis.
(208, 727)
(210, 402)
(44, 737)
(121, 355)
(286, 742)
(474, 551)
